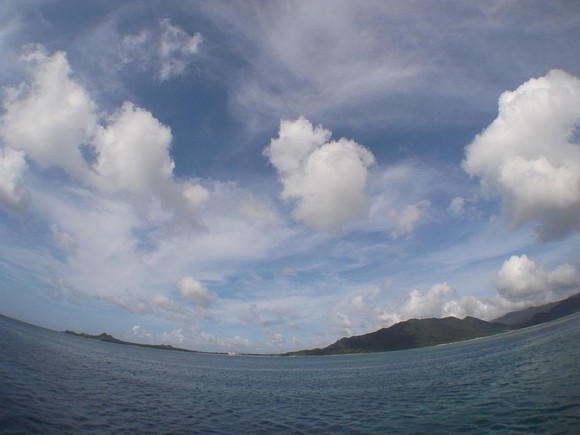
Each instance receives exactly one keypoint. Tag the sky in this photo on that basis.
(267, 176)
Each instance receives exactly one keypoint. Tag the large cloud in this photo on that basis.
(52, 118)
(326, 178)
(520, 278)
(530, 155)
(133, 155)
(133, 151)
(51, 115)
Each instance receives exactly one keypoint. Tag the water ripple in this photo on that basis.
(525, 382)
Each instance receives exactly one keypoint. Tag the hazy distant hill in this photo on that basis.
(411, 334)
(563, 308)
(111, 339)
(523, 316)
(416, 333)
(543, 313)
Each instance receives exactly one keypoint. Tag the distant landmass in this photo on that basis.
(417, 333)
(111, 339)
(410, 334)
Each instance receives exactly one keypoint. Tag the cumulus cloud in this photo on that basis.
(196, 292)
(430, 304)
(140, 332)
(530, 156)
(327, 179)
(520, 278)
(14, 195)
(131, 152)
(175, 336)
(51, 115)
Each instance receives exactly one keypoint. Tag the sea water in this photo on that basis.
(521, 382)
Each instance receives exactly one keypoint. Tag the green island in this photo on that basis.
(410, 334)
(416, 333)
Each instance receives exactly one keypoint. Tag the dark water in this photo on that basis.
(523, 382)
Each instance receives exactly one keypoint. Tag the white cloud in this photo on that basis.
(168, 49)
(258, 211)
(176, 48)
(327, 179)
(64, 240)
(520, 278)
(196, 292)
(141, 332)
(175, 336)
(133, 154)
(133, 151)
(431, 304)
(14, 195)
(407, 220)
(530, 155)
(343, 323)
(456, 206)
(50, 116)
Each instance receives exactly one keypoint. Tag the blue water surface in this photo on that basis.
(526, 381)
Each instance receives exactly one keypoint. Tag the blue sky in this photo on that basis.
(268, 176)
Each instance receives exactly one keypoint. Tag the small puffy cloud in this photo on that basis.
(456, 206)
(176, 48)
(530, 156)
(277, 338)
(520, 278)
(140, 332)
(407, 220)
(168, 49)
(326, 178)
(196, 292)
(14, 195)
(431, 304)
(50, 116)
(64, 240)
(175, 336)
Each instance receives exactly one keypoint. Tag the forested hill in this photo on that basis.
(411, 334)
(416, 333)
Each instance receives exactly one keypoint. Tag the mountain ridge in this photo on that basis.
(416, 333)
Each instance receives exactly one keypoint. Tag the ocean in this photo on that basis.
(526, 381)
